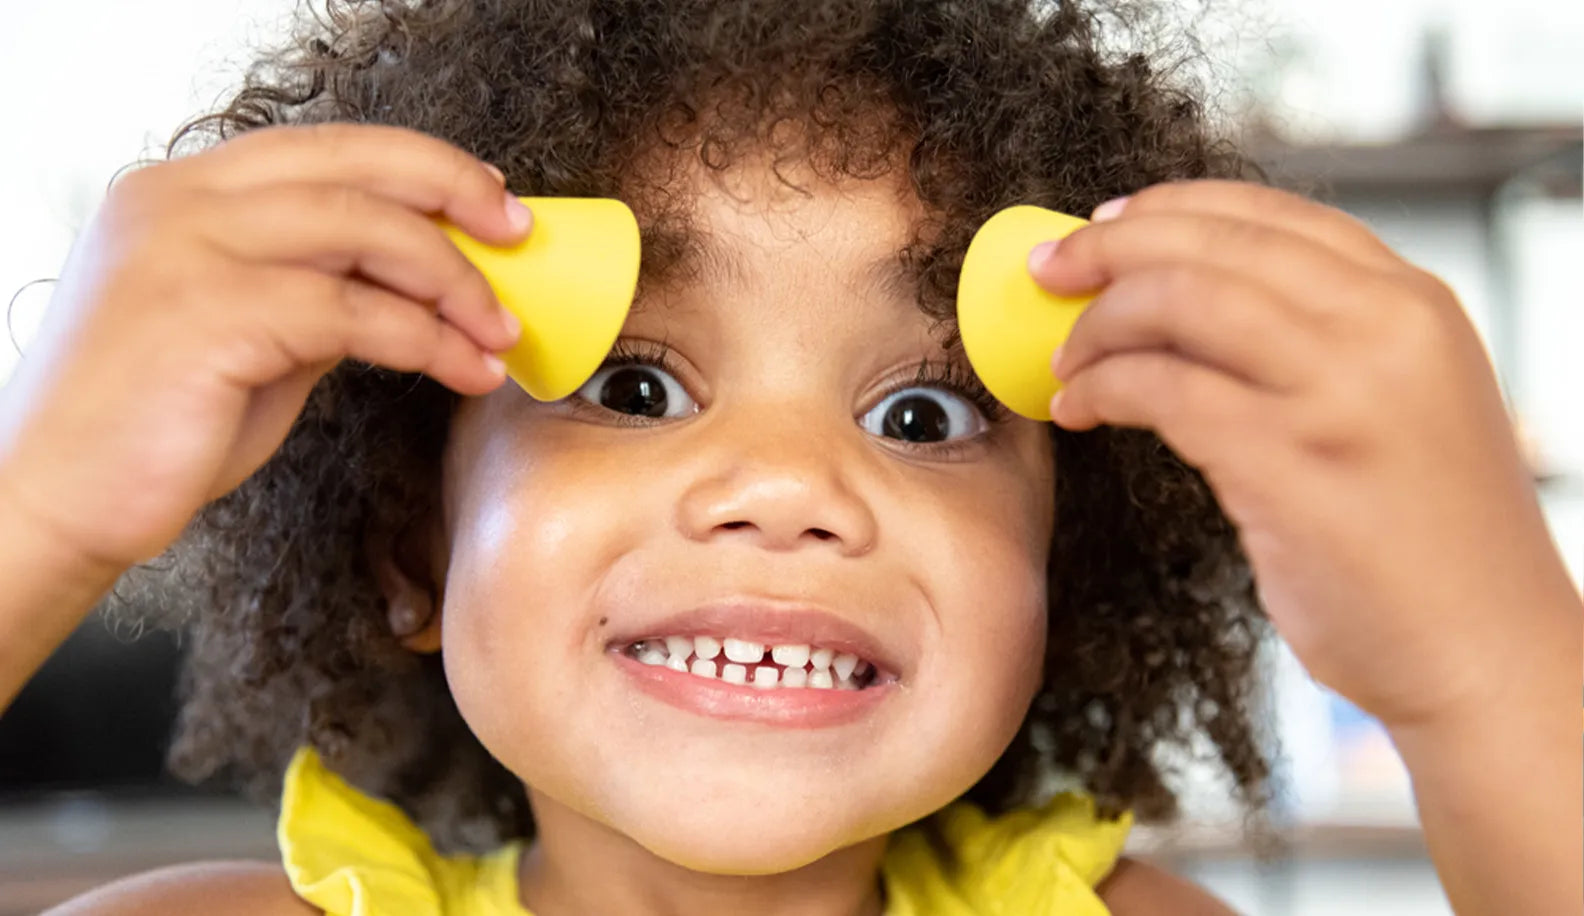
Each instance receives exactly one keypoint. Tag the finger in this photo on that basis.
(1200, 412)
(420, 171)
(314, 317)
(1305, 274)
(1336, 229)
(1214, 317)
(344, 230)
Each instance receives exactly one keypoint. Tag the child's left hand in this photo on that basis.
(1343, 408)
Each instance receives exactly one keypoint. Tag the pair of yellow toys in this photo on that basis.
(572, 281)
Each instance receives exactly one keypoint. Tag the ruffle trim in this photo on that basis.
(1030, 862)
(353, 855)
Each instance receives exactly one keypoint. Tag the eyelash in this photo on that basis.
(931, 374)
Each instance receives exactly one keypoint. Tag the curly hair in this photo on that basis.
(1154, 623)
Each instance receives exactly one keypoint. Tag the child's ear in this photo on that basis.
(407, 583)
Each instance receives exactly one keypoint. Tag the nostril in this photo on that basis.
(822, 534)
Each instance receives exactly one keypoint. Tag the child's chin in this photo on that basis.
(735, 848)
(742, 856)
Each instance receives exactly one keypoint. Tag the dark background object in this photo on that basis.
(97, 716)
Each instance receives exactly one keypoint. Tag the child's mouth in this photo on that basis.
(765, 667)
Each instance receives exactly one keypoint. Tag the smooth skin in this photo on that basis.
(1341, 405)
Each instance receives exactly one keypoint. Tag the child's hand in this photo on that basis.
(206, 298)
(1342, 407)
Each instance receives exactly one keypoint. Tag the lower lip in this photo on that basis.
(785, 707)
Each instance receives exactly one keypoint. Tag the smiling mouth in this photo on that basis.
(795, 666)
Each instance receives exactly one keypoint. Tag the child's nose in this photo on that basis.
(781, 493)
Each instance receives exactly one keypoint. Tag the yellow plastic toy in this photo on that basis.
(571, 282)
(1010, 325)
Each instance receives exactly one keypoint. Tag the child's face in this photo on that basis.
(774, 470)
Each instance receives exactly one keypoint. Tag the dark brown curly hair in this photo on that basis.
(1154, 629)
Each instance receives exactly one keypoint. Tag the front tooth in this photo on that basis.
(821, 658)
(734, 674)
(794, 677)
(679, 646)
(706, 646)
(703, 667)
(652, 654)
(765, 677)
(821, 679)
(741, 650)
(844, 665)
(677, 663)
(795, 656)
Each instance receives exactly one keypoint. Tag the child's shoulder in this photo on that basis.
(212, 888)
(1136, 888)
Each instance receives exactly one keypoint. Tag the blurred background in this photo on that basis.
(1452, 127)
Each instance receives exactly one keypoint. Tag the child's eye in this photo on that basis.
(921, 416)
(637, 390)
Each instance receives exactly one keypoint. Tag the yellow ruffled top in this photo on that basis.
(353, 855)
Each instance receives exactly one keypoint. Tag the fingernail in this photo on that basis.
(1055, 402)
(1055, 362)
(500, 177)
(1041, 254)
(511, 323)
(517, 213)
(1108, 210)
(493, 364)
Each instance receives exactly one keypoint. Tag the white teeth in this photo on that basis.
(826, 670)
(741, 650)
(790, 656)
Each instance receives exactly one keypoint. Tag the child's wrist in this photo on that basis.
(49, 589)
(1523, 693)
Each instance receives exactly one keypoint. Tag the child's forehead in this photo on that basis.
(677, 253)
(717, 240)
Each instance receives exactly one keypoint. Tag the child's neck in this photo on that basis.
(577, 865)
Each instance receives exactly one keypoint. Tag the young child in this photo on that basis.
(781, 612)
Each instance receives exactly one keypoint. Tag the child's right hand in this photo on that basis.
(209, 294)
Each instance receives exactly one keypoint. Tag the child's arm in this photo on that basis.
(199, 889)
(1344, 410)
(195, 313)
(48, 590)
(1499, 789)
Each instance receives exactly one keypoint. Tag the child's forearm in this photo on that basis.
(44, 593)
(1499, 787)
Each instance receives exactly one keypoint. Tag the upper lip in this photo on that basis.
(768, 621)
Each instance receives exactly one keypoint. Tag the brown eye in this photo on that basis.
(636, 389)
(915, 415)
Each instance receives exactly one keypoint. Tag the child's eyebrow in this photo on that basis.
(672, 252)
